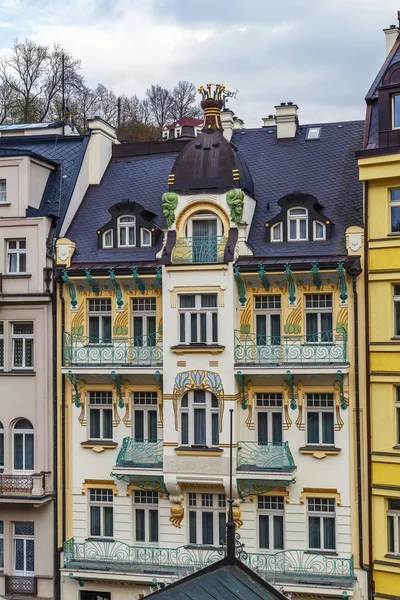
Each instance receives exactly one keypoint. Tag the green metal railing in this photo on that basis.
(142, 350)
(295, 566)
(140, 453)
(326, 347)
(199, 249)
(257, 456)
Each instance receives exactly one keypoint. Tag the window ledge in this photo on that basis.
(322, 552)
(22, 372)
(393, 556)
(396, 447)
(197, 348)
(17, 276)
(198, 451)
(99, 445)
(320, 451)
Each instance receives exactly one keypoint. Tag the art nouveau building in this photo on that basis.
(223, 277)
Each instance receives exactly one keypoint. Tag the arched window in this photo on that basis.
(145, 237)
(108, 238)
(1, 446)
(276, 233)
(319, 231)
(127, 231)
(23, 445)
(204, 229)
(199, 419)
(297, 224)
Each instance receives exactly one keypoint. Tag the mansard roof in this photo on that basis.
(325, 168)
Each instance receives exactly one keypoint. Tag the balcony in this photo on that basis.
(140, 454)
(294, 566)
(318, 349)
(143, 351)
(20, 585)
(259, 457)
(199, 249)
(16, 484)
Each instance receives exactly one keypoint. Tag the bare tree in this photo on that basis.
(183, 98)
(160, 102)
(7, 103)
(106, 104)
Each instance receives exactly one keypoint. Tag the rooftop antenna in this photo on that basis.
(63, 92)
(229, 94)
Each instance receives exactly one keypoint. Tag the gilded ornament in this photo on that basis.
(237, 513)
(177, 513)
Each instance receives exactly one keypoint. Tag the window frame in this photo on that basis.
(24, 432)
(1, 447)
(277, 226)
(185, 331)
(25, 538)
(24, 337)
(142, 244)
(187, 424)
(396, 301)
(108, 231)
(297, 219)
(148, 338)
(397, 414)
(322, 515)
(101, 407)
(18, 252)
(320, 410)
(146, 402)
(393, 514)
(271, 309)
(126, 226)
(319, 311)
(272, 513)
(317, 128)
(264, 403)
(100, 315)
(315, 238)
(3, 192)
(140, 503)
(392, 102)
(102, 504)
(203, 216)
(2, 345)
(393, 204)
(1, 546)
(198, 509)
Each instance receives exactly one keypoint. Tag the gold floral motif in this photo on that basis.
(237, 513)
(77, 326)
(177, 514)
(205, 380)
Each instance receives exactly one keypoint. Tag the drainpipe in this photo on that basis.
(55, 443)
(63, 452)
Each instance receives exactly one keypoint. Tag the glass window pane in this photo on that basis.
(1, 449)
(390, 534)
(326, 327)
(262, 427)
(222, 527)
(327, 428)
(187, 301)
(261, 330)
(214, 328)
(396, 110)
(18, 352)
(12, 263)
(263, 525)
(329, 534)
(139, 525)
(397, 318)
(30, 556)
(314, 532)
(122, 236)
(199, 426)
(19, 555)
(215, 429)
(94, 423)
(29, 451)
(398, 426)
(192, 528)
(151, 331)
(275, 330)
(292, 229)
(395, 218)
(193, 327)
(182, 328)
(94, 330)
(131, 236)
(278, 532)
(95, 528)
(28, 353)
(152, 425)
(18, 451)
(107, 424)
(108, 520)
(312, 327)
(277, 427)
(1, 553)
(303, 229)
(139, 425)
(312, 428)
(107, 329)
(207, 519)
(203, 328)
(185, 428)
(138, 330)
(22, 263)
(153, 525)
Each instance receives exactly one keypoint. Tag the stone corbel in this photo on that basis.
(177, 510)
(250, 405)
(300, 402)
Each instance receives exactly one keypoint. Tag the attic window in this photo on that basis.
(396, 111)
(297, 224)
(108, 238)
(276, 233)
(313, 133)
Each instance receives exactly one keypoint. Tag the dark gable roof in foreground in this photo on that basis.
(220, 581)
(325, 168)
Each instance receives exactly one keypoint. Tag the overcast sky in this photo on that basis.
(321, 54)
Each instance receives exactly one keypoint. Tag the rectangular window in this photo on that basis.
(396, 303)
(146, 517)
(144, 321)
(270, 522)
(268, 320)
(319, 318)
(393, 526)
(1, 446)
(100, 416)
(396, 111)
(24, 549)
(320, 419)
(269, 418)
(3, 191)
(101, 513)
(395, 210)
(145, 416)
(22, 345)
(1, 345)
(100, 321)
(397, 408)
(198, 319)
(16, 256)
(321, 523)
(207, 519)
(95, 595)
(1, 545)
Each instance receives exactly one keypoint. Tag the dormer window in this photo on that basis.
(178, 132)
(3, 191)
(127, 231)
(396, 111)
(313, 133)
(277, 233)
(145, 237)
(108, 239)
(297, 224)
(319, 231)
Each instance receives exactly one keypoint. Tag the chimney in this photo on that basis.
(391, 34)
(269, 121)
(286, 120)
(237, 123)
(227, 123)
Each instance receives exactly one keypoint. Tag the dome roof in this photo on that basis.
(210, 163)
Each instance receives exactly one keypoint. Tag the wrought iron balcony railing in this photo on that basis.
(199, 249)
(144, 350)
(140, 453)
(323, 348)
(256, 456)
(16, 484)
(21, 585)
(297, 566)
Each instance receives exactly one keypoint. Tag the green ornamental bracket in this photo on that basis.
(291, 284)
(159, 378)
(149, 482)
(340, 377)
(159, 276)
(94, 286)
(117, 288)
(290, 380)
(243, 400)
(258, 487)
(71, 288)
(342, 282)
(235, 201)
(74, 379)
(240, 286)
(139, 283)
(169, 203)
(117, 381)
(316, 276)
(264, 278)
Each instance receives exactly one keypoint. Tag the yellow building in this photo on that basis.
(379, 164)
